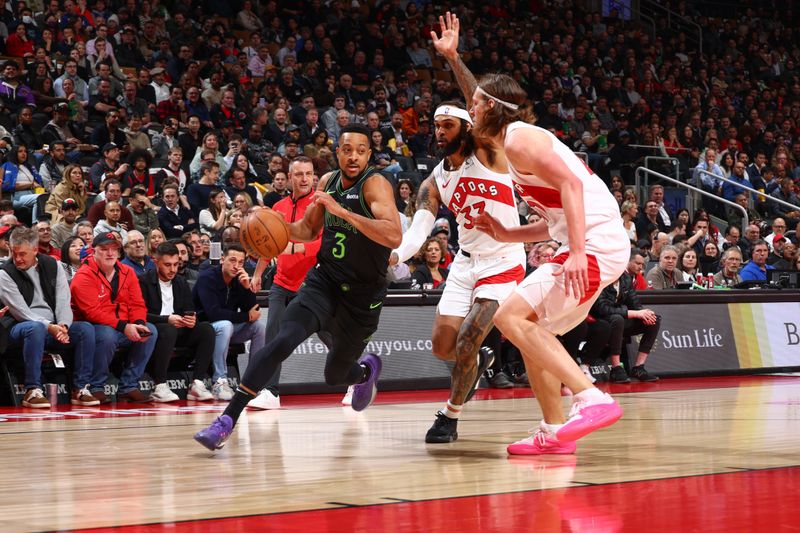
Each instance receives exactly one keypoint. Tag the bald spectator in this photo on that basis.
(112, 214)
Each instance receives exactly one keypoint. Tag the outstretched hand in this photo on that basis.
(447, 44)
(576, 274)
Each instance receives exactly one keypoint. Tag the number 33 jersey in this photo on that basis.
(473, 189)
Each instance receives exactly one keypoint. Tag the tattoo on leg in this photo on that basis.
(475, 328)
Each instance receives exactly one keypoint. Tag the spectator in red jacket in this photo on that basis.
(293, 265)
(106, 293)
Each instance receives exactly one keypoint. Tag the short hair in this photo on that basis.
(637, 251)
(356, 128)
(109, 182)
(166, 248)
(21, 236)
(208, 166)
(759, 242)
(170, 186)
(137, 191)
(81, 224)
(730, 250)
(668, 248)
(175, 241)
(300, 159)
(234, 247)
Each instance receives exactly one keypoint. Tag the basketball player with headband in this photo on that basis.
(471, 179)
(343, 294)
(576, 210)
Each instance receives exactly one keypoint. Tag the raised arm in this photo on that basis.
(428, 201)
(447, 46)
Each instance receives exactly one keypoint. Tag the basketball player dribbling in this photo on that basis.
(470, 180)
(343, 295)
(578, 211)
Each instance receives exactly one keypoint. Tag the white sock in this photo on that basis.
(551, 428)
(452, 410)
(592, 395)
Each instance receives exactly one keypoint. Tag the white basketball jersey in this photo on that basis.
(603, 220)
(471, 190)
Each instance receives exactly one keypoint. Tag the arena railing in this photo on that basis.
(644, 170)
(754, 191)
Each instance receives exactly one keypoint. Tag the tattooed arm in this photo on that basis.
(428, 201)
(447, 45)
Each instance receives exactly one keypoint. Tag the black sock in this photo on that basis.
(238, 403)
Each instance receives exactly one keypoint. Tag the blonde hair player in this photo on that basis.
(578, 211)
(471, 179)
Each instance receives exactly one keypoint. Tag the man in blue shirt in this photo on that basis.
(756, 269)
(136, 254)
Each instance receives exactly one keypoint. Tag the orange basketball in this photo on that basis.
(264, 233)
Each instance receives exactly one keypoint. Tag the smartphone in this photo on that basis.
(189, 313)
(145, 333)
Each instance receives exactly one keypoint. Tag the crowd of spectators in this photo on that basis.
(165, 121)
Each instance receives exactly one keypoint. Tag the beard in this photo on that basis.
(451, 147)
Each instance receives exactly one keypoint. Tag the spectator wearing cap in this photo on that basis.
(107, 294)
(53, 165)
(756, 269)
(110, 132)
(70, 187)
(159, 84)
(624, 157)
(166, 140)
(776, 256)
(63, 229)
(37, 315)
(108, 167)
(61, 129)
(13, 93)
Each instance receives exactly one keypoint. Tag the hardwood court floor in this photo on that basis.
(689, 455)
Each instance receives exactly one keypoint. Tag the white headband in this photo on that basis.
(452, 111)
(501, 102)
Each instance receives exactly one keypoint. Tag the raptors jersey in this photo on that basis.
(473, 189)
(604, 228)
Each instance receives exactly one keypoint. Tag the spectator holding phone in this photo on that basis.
(170, 308)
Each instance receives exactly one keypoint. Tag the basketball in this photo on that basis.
(264, 233)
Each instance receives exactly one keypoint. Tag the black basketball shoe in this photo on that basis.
(443, 430)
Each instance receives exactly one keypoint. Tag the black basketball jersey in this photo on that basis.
(347, 255)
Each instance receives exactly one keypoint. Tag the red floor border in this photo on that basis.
(729, 501)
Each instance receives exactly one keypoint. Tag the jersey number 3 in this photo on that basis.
(475, 210)
(338, 248)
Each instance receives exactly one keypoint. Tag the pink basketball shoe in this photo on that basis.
(585, 417)
(540, 442)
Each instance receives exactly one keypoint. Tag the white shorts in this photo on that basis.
(545, 293)
(492, 278)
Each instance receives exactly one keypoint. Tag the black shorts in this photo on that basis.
(348, 315)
